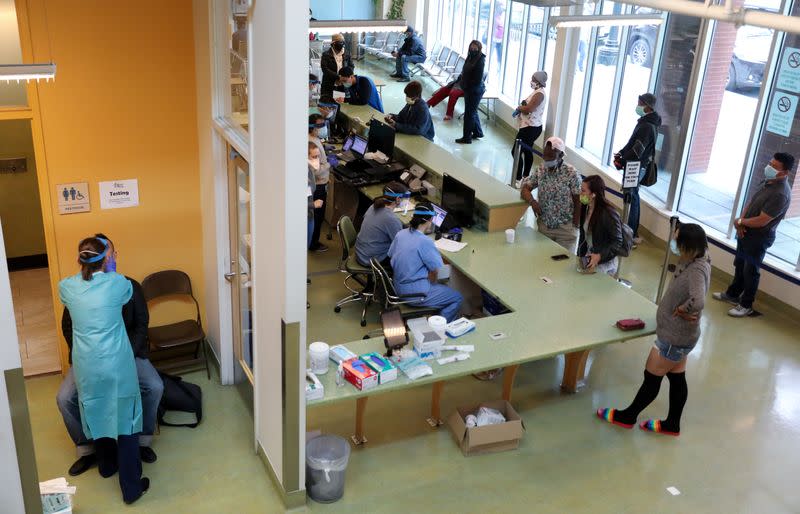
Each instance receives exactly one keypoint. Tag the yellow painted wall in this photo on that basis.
(122, 107)
(20, 210)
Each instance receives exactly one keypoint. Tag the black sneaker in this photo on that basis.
(464, 141)
(395, 75)
(319, 248)
(147, 454)
(145, 487)
(83, 464)
(403, 79)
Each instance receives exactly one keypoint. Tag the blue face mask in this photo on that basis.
(770, 172)
(640, 110)
(551, 164)
(111, 263)
(323, 133)
(347, 85)
(673, 246)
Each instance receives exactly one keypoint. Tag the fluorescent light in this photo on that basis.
(27, 72)
(329, 28)
(597, 20)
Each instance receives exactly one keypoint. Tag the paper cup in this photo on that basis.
(510, 235)
(319, 354)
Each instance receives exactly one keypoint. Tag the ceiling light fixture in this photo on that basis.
(597, 20)
(328, 28)
(27, 72)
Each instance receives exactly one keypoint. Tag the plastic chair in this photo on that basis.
(361, 275)
(168, 341)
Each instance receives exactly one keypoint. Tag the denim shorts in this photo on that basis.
(672, 352)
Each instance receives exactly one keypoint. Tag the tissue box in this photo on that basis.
(340, 353)
(427, 342)
(359, 374)
(381, 365)
(490, 438)
(314, 388)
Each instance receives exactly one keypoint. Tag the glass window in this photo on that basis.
(11, 94)
(578, 83)
(603, 78)
(495, 54)
(458, 25)
(483, 23)
(469, 26)
(777, 138)
(513, 49)
(238, 52)
(533, 46)
(671, 89)
(447, 23)
(724, 121)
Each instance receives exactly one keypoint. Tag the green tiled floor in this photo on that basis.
(738, 451)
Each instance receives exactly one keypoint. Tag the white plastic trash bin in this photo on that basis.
(326, 464)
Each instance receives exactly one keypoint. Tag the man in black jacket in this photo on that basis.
(412, 51)
(136, 318)
(640, 147)
(332, 61)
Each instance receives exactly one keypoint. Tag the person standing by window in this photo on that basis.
(529, 114)
(332, 61)
(412, 51)
(414, 118)
(473, 86)
(755, 232)
(104, 366)
(640, 147)
(677, 333)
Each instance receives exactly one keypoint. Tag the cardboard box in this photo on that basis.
(359, 374)
(427, 342)
(490, 438)
(381, 365)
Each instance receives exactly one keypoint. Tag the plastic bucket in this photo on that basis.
(318, 354)
(326, 464)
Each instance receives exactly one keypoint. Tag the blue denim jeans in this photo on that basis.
(151, 387)
(472, 122)
(633, 213)
(401, 63)
(750, 253)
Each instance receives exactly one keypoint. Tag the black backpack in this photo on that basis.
(182, 396)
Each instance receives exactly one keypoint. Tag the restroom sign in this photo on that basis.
(73, 198)
(118, 194)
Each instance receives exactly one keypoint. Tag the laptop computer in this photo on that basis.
(353, 149)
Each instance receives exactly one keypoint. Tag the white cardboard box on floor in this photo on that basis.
(490, 438)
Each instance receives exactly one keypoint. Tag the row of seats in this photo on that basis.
(443, 64)
(381, 44)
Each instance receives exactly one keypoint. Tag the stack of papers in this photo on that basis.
(56, 496)
(448, 245)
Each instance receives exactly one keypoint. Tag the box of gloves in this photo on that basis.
(427, 341)
(486, 428)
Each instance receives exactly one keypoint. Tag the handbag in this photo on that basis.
(650, 175)
(182, 396)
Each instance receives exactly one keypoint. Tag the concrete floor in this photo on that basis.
(738, 451)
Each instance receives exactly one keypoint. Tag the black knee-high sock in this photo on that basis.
(678, 392)
(647, 393)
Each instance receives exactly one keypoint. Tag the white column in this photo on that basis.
(278, 67)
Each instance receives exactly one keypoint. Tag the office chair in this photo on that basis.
(168, 343)
(386, 295)
(361, 275)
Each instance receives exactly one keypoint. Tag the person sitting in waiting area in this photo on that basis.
(136, 319)
(414, 118)
(452, 91)
(380, 225)
(558, 210)
(412, 51)
(601, 228)
(755, 233)
(416, 262)
(359, 90)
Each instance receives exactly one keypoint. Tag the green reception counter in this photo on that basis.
(570, 315)
(498, 206)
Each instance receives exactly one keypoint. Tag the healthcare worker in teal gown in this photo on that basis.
(104, 366)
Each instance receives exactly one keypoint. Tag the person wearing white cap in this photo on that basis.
(333, 59)
(529, 116)
(558, 208)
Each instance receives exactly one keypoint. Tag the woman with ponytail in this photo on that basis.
(380, 225)
(416, 263)
(104, 366)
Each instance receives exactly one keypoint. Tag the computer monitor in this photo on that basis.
(439, 217)
(348, 143)
(458, 200)
(381, 138)
(359, 145)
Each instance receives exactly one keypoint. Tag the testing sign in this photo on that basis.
(119, 194)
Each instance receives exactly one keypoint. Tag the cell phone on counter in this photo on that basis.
(560, 257)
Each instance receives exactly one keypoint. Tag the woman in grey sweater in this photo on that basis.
(677, 332)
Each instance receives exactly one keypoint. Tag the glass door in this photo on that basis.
(239, 273)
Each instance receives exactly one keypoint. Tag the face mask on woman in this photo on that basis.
(673, 247)
(535, 85)
(640, 110)
(338, 46)
(585, 199)
(314, 163)
(551, 164)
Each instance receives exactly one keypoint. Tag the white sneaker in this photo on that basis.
(637, 241)
(722, 296)
(517, 184)
(740, 312)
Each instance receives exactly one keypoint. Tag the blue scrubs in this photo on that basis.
(413, 256)
(377, 233)
(102, 357)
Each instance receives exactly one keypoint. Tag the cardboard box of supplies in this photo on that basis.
(489, 438)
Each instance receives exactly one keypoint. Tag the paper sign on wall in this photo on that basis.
(73, 197)
(631, 177)
(119, 194)
(789, 72)
(781, 113)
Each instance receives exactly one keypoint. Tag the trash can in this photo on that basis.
(326, 463)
